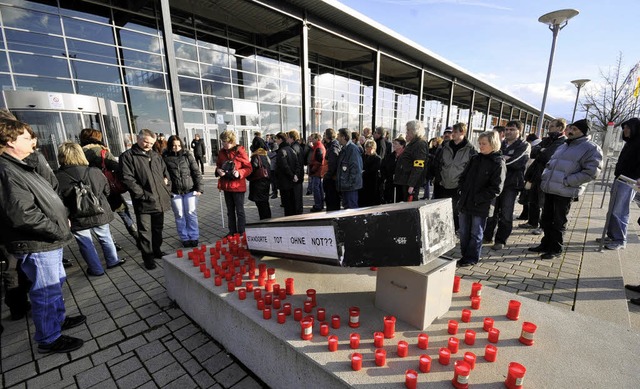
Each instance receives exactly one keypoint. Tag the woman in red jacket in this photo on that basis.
(232, 168)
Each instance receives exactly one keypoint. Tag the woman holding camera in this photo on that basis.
(232, 168)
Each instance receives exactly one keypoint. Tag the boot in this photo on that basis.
(19, 305)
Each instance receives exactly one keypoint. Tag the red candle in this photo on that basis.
(354, 317)
(470, 358)
(282, 294)
(207, 273)
(282, 317)
(488, 324)
(276, 289)
(403, 349)
(476, 289)
(411, 379)
(452, 329)
(381, 357)
(275, 303)
(238, 280)
(494, 335)
(268, 298)
(490, 353)
(513, 312)
(288, 285)
(389, 327)
(470, 337)
(354, 340)
(260, 304)
(242, 293)
(266, 313)
(287, 309)
(466, 316)
(526, 336)
(307, 307)
(335, 321)
(203, 266)
(356, 361)
(257, 293)
(461, 375)
(311, 296)
(456, 284)
(425, 363)
(444, 356)
(262, 281)
(324, 328)
(217, 281)
(453, 345)
(475, 302)
(322, 314)
(423, 341)
(231, 286)
(271, 274)
(378, 339)
(268, 286)
(179, 253)
(306, 328)
(333, 343)
(515, 376)
(297, 314)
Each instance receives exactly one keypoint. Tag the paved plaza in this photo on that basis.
(136, 337)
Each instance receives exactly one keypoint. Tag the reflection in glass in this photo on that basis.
(218, 58)
(142, 60)
(4, 64)
(95, 72)
(44, 84)
(187, 68)
(191, 101)
(107, 91)
(134, 40)
(41, 65)
(91, 51)
(88, 30)
(192, 117)
(34, 43)
(292, 117)
(135, 77)
(149, 109)
(270, 118)
(72, 126)
(31, 20)
(191, 85)
(214, 72)
(185, 51)
(49, 129)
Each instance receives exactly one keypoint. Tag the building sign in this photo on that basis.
(55, 101)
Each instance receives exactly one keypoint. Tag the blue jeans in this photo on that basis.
(502, 216)
(88, 250)
(619, 219)
(318, 193)
(184, 210)
(47, 274)
(349, 199)
(471, 232)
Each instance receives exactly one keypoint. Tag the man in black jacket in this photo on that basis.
(294, 141)
(331, 194)
(145, 174)
(199, 151)
(36, 230)
(286, 173)
(258, 142)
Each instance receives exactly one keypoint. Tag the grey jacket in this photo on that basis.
(451, 167)
(571, 167)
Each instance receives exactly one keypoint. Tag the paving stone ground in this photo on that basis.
(135, 336)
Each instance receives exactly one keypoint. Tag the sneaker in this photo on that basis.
(119, 263)
(537, 249)
(63, 344)
(536, 231)
(194, 243)
(615, 246)
(549, 255)
(94, 273)
(526, 225)
(633, 288)
(606, 239)
(150, 265)
(464, 264)
(635, 301)
(159, 255)
(497, 246)
(72, 321)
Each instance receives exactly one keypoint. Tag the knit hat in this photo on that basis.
(583, 125)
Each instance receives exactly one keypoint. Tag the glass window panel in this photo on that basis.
(292, 99)
(91, 51)
(292, 86)
(191, 85)
(270, 96)
(290, 73)
(242, 92)
(95, 72)
(243, 63)
(244, 78)
(4, 63)
(192, 117)
(223, 105)
(149, 109)
(214, 57)
(270, 118)
(292, 117)
(40, 65)
(187, 68)
(269, 83)
(37, 43)
(144, 78)
(268, 69)
(138, 59)
(5, 84)
(134, 40)
(191, 101)
(43, 84)
(88, 30)
(216, 89)
(30, 20)
(107, 91)
(38, 6)
(95, 12)
(209, 103)
(214, 72)
(185, 51)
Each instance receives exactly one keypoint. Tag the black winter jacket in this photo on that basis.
(480, 183)
(518, 155)
(541, 154)
(300, 154)
(410, 167)
(144, 175)
(629, 158)
(184, 171)
(259, 188)
(333, 151)
(286, 166)
(99, 187)
(33, 217)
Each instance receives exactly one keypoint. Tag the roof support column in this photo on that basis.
(448, 123)
(172, 67)
(420, 115)
(376, 83)
(305, 78)
(485, 125)
(501, 112)
(470, 118)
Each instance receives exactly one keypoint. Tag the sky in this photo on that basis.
(502, 42)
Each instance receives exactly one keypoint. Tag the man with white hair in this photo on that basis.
(409, 172)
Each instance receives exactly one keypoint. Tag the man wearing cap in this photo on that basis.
(574, 164)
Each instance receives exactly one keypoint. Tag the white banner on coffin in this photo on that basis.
(317, 241)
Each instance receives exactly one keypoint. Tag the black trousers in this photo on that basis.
(200, 161)
(235, 211)
(287, 197)
(264, 210)
(297, 197)
(554, 222)
(331, 195)
(150, 234)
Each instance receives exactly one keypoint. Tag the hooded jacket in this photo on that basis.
(184, 171)
(629, 158)
(541, 154)
(143, 174)
(480, 183)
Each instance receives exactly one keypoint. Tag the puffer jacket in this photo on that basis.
(99, 187)
(480, 184)
(318, 165)
(542, 154)
(184, 171)
(411, 165)
(629, 158)
(33, 216)
(447, 168)
(349, 168)
(571, 167)
(239, 156)
(144, 175)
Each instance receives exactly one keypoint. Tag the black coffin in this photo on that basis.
(404, 234)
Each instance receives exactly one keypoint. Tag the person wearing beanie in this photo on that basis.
(574, 164)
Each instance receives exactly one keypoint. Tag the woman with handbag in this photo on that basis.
(99, 156)
(232, 168)
(260, 182)
(186, 188)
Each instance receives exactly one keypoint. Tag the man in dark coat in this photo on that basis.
(286, 173)
(199, 151)
(293, 138)
(258, 142)
(145, 174)
(331, 194)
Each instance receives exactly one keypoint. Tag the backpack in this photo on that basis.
(81, 200)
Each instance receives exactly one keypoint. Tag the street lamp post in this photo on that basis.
(556, 21)
(587, 106)
(579, 84)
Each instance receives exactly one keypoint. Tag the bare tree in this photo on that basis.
(613, 100)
